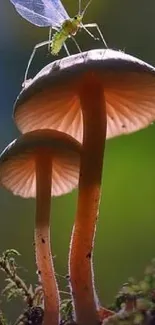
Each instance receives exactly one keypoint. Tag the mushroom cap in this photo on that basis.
(51, 99)
(17, 162)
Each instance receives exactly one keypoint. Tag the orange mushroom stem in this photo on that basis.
(81, 270)
(42, 237)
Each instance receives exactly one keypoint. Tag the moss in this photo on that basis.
(133, 305)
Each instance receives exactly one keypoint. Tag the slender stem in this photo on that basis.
(81, 269)
(42, 238)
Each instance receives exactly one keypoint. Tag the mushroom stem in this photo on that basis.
(42, 239)
(80, 264)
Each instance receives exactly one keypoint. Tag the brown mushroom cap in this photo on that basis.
(17, 162)
(51, 99)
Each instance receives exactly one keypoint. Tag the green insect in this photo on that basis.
(52, 13)
(68, 29)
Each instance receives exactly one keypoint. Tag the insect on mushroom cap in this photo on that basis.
(51, 99)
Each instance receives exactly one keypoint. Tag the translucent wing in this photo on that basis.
(41, 12)
(58, 6)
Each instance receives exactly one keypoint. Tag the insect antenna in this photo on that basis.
(79, 7)
(87, 5)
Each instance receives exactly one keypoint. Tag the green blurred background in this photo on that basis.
(125, 238)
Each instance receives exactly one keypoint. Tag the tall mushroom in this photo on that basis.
(40, 164)
(91, 96)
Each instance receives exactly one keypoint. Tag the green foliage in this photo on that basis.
(66, 311)
(133, 305)
(3, 321)
(16, 287)
(135, 302)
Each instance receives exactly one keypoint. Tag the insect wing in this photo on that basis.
(41, 12)
(59, 8)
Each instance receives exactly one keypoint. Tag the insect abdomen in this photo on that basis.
(57, 42)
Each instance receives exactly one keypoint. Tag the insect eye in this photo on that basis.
(75, 17)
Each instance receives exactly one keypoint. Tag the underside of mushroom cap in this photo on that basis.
(51, 99)
(17, 162)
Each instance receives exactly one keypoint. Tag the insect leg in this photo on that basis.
(77, 45)
(49, 38)
(66, 49)
(88, 32)
(32, 56)
(94, 25)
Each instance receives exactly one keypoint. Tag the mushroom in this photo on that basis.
(91, 96)
(39, 164)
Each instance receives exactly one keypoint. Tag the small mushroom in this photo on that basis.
(92, 96)
(39, 164)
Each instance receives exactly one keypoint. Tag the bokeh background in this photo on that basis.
(125, 238)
